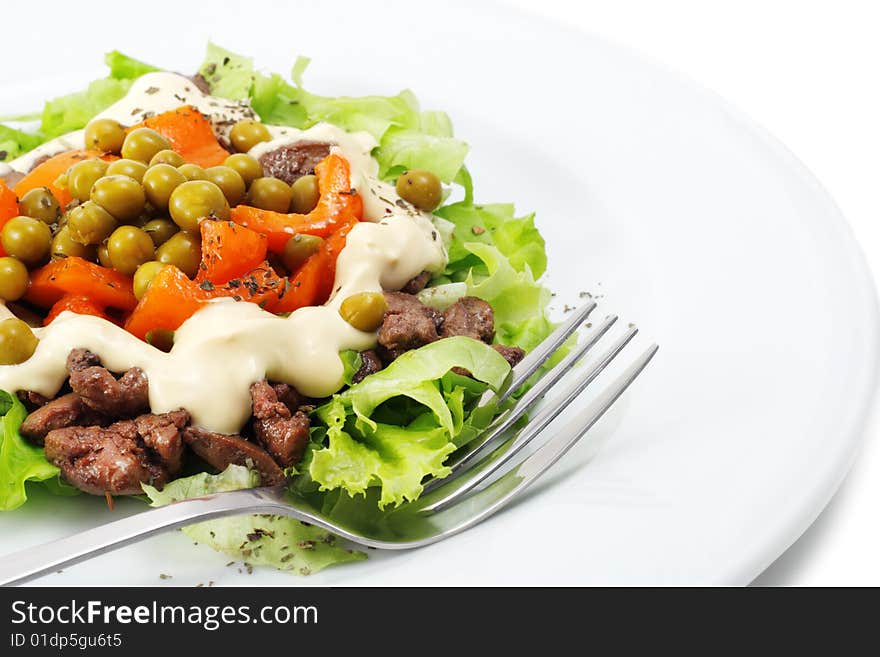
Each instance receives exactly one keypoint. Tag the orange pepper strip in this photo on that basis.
(312, 284)
(76, 303)
(261, 285)
(228, 251)
(172, 298)
(190, 134)
(46, 173)
(75, 276)
(337, 204)
(168, 302)
(8, 207)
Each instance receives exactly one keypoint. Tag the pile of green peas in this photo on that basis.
(140, 209)
(137, 213)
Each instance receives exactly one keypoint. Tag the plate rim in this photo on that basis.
(762, 554)
(755, 557)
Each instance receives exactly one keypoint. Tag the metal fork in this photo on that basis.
(473, 491)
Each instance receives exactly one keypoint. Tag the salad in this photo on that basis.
(220, 281)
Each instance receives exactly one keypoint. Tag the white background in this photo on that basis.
(809, 71)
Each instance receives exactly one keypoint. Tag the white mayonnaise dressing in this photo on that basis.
(150, 94)
(380, 198)
(226, 346)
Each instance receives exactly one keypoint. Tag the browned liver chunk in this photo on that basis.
(408, 324)
(512, 355)
(65, 411)
(221, 450)
(283, 434)
(119, 458)
(417, 284)
(32, 399)
(291, 397)
(470, 317)
(370, 364)
(102, 392)
(161, 433)
(293, 161)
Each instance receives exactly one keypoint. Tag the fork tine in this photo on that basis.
(506, 421)
(537, 424)
(539, 355)
(536, 464)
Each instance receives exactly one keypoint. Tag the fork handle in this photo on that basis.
(33, 562)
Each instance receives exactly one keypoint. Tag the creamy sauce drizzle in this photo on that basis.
(150, 94)
(226, 346)
(380, 198)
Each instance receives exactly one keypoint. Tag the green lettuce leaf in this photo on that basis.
(123, 67)
(402, 149)
(73, 111)
(16, 142)
(19, 460)
(408, 137)
(277, 541)
(276, 102)
(399, 425)
(496, 225)
(518, 301)
(414, 375)
(229, 75)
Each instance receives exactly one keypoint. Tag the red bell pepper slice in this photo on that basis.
(228, 251)
(46, 173)
(338, 203)
(76, 303)
(190, 134)
(8, 207)
(312, 284)
(74, 276)
(168, 302)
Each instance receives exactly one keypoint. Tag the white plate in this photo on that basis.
(685, 215)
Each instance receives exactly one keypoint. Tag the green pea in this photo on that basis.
(304, 194)
(105, 135)
(192, 172)
(131, 168)
(269, 194)
(229, 181)
(121, 196)
(104, 256)
(89, 223)
(13, 279)
(184, 251)
(167, 156)
(64, 246)
(17, 341)
(129, 248)
(27, 239)
(144, 275)
(249, 168)
(195, 200)
(160, 181)
(364, 311)
(142, 144)
(160, 230)
(421, 188)
(39, 203)
(82, 176)
(247, 133)
(298, 249)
